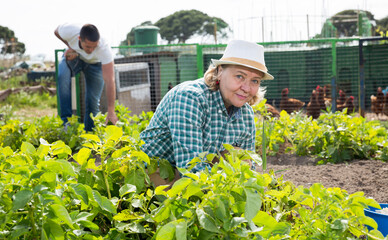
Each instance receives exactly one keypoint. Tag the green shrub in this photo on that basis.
(333, 137)
(45, 195)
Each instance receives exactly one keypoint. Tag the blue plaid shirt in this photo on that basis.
(192, 119)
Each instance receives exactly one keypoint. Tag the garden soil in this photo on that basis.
(368, 176)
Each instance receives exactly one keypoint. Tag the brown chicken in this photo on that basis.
(289, 104)
(341, 98)
(377, 102)
(327, 95)
(313, 107)
(272, 110)
(349, 104)
(321, 98)
(385, 107)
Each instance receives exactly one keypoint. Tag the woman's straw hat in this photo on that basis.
(243, 53)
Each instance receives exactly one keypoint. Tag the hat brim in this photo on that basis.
(216, 63)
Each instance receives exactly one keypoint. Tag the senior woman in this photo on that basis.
(202, 115)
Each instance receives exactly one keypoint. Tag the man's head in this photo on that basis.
(89, 37)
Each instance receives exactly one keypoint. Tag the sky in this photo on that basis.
(34, 21)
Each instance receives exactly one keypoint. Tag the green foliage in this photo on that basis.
(15, 132)
(24, 100)
(12, 82)
(9, 42)
(333, 137)
(346, 22)
(43, 194)
(184, 24)
(99, 188)
(104, 191)
(6, 113)
(382, 27)
(130, 39)
(331, 213)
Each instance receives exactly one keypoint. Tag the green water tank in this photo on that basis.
(146, 35)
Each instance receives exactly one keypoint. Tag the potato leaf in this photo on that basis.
(179, 186)
(104, 202)
(21, 198)
(127, 188)
(62, 214)
(113, 133)
(81, 191)
(28, 149)
(206, 221)
(82, 156)
(166, 232)
(253, 203)
(53, 230)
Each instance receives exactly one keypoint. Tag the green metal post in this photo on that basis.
(361, 88)
(56, 77)
(359, 24)
(199, 61)
(77, 90)
(334, 75)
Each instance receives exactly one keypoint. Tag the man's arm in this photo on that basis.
(110, 87)
(70, 53)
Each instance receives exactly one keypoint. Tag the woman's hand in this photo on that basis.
(224, 152)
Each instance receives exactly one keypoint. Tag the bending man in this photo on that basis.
(91, 54)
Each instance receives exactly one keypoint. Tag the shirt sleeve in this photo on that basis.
(69, 31)
(185, 121)
(249, 142)
(105, 54)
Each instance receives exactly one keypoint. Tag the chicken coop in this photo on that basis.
(355, 66)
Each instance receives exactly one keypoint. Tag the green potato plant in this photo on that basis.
(101, 189)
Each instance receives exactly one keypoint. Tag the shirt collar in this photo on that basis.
(235, 111)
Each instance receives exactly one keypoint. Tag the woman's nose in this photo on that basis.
(245, 86)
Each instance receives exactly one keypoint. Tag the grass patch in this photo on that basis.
(13, 82)
(384, 124)
(23, 99)
(24, 106)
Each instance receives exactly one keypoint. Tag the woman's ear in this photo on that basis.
(219, 72)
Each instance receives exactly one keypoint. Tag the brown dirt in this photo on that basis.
(368, 176)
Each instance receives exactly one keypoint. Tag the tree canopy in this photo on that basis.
(130, 39)
(9, 42)
(184, 24)
(346, 22)
(349, 23)
(382, 26)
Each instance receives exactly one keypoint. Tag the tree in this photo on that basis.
(130, 39)
(346, 22)
(9, 43)
(184, 24)
(382, 27)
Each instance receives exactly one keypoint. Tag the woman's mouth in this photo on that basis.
(241, 97)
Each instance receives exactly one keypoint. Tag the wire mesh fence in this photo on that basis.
(144, 74)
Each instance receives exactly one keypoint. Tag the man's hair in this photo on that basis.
(89, 32)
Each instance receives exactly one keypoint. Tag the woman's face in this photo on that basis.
(238, 84)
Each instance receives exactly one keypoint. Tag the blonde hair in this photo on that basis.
(211, 80)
